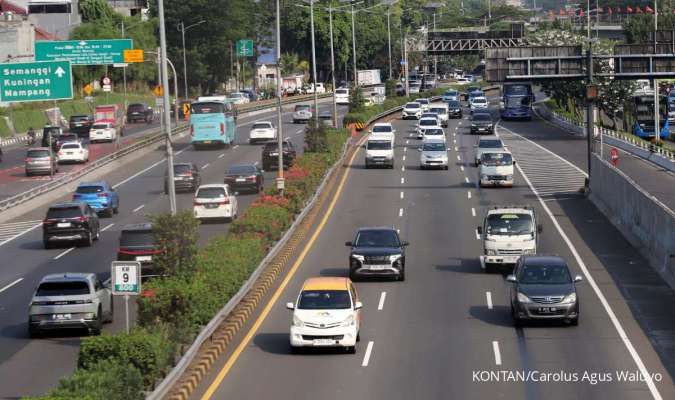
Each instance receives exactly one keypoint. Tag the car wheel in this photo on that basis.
(95, 330)
(446, 167)
(351, 349)
(516, 321)
(296, 349)
(401, 276)
(111, 314)
(475, 163)
(352, 276)
(574, 321)
(47, 244)
(109, 212)
(116, 209)
(87, 242)
(34, 332)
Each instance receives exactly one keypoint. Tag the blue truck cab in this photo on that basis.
(212, 122)
(516, 102)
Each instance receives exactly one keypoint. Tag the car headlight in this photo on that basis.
(298, 322)
(350, 321)
(491, 252)
(473, 126)
(528, 251)
(523, 299)
(89, 315)
(509, 177)
(358, 257)
(394, 257)
(570, 299)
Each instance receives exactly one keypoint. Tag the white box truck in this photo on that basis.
(369, 77)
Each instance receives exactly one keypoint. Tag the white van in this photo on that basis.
(496, 169)
(342, 96)
(380, 150)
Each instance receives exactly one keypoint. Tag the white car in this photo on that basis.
(496, 169)
(425, 103)
(341, 96)
(262, 130)
(380, 150)
(478, 103)
(433, 154)
(414, 87)
(319, 88)
(434, 133)
(238, 98)
(383, 128)
(441, 110)
(425, 123)
(215, 201)
(487, 144)
(102, 132)
(327, 313)
(411, 110)
(302, 113)
(73, 152)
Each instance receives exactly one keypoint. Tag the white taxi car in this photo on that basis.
(215, 201)
(262, 130)
(327, 313)
(73, 152)
(102, 132)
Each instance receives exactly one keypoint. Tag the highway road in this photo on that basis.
(435, 335)
(140, 185)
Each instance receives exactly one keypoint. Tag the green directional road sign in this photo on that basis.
(245, 48)
(36, 81)
(84, 52)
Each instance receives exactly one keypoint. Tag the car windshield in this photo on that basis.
(137, 238)
(302, 107)
(451, 93)
(37, 154)
(377, 238)
(438, 110)
(496, 159)
(241, 169)
(423, 101)
(324, 300)
(262, 126)
(72, 288)
(64, 212)
(341, 91)
(211, 193)
(379, 145)
(99, 126)
(544, 275)
(433, 147)
(454, 104)
(50, 131)
(490, 144)
(482, 117)
(434, 132)
(412, 105)
(517, 101)
(136, 107)
(207, 108)
(429, 115)
(70, 146)
(509, 224)
(89, 189)
(79, 118)
(382, 128)
(428, 122)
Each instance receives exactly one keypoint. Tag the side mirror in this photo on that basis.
(479, 229)
(511, 278)
(578, 278)
(514, 162)
(348, 244)
(405, 243)
(358, 305)
(540, 228)
(419, 149)
(290, 306)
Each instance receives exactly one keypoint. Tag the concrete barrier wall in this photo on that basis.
(647, 223)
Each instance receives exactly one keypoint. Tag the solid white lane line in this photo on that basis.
(380, 305)
(402, 180)
(498, 355)
(10, 285)
(205, 166)
(221, 155)
(366, 357)
(64, 253)
(473, 212)
(468, 194)
(477, 234)
(467, 180)
(488, 297)
(400, 212)
(138, 208)
(461, 168)
(401, 194)
(107, 227)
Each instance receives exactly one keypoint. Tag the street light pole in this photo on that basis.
(280, 136)
(182, 28)
(332, 63)
(124, 74)
(316, 100)
(167, 116)
(389, 39)
(356, 75)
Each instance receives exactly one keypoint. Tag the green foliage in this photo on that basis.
(357, 102)
(390, 88)
(266, 221)
(176, 236)
(316, 140)
(97, 11)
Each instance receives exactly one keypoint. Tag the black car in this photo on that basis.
(377, 252)
(50, 136)
(543, 289)
(68, 222)
(482, 123)
(454, 109)
(470, 90)
(137, 243)
(80, 124)
(185, 177)
(245, 177)
(139, 112)
(270, 154)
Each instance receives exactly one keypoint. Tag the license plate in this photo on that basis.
(274, 154)
(63, 225)
(378, 267)
(241, 180)
(207, 142)
(62, 316)
(323, 342)
(547, 310)
(78, 124)
(210, 205)
(69, 153)
(143, 258)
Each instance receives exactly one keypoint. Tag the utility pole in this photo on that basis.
(280, 134)
(332, 63)
(389, 38)
(405, 65)
(316, 101)
(167, 116)
(124, 74)
(590, 120)
(657, 107)
(356, 75)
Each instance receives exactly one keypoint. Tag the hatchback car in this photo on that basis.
(262, 130)
(434, 154)
(102, 132)
(270, 154)
(80, 124)
(302, 113)
(185, 177)
(425, 103)
(327, 313)
(478, 103)
(425, 123)
(485, 144)
(137, 243)
(543, 289)
(482, 123)
(100, 196)
(377, 252)
(70, 222)
(215, 201)
(139, 112)
(442, 112)
(70, 301)
(73, 152)
(245, 177)
(41, 160)
(411, 110)
(455, 109)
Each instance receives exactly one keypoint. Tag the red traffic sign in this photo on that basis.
(614, 156)
(105, 80)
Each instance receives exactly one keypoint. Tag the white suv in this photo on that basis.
(215, 201)
(411, 110)
(262, 130)
(341, 96)
(102, 131)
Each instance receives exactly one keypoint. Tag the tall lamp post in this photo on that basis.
(167, 116)
(280, 135)
(182, 28)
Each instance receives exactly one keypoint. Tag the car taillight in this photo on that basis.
(28, 160)
(192, 130)
(103, 195)
(81, 151)
(250, 178)
(224, 201)
(222, 129)
(48, 222)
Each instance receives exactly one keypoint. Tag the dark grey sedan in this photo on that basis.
(543, 289)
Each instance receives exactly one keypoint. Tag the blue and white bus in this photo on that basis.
(642, 110)
(212, 122)
(516, 101)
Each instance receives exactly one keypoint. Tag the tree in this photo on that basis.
(176, 236)
(97, 11)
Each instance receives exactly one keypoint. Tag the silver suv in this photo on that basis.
(70, 301)
(41, 160)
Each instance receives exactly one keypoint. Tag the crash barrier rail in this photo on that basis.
(206, 334)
